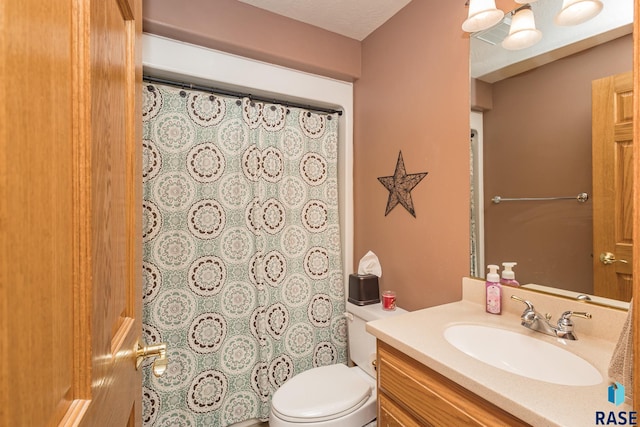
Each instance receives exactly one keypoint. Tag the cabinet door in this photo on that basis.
(392, 415)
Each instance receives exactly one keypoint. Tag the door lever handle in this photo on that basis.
(159, 351)
(608, 258)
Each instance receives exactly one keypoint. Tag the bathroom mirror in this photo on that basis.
(536, 142)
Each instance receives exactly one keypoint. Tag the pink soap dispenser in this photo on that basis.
(493, 291)
(508, 275)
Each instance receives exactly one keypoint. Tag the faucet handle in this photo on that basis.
(565, 319)
(529, 305)
(529, 315)
(567, 314)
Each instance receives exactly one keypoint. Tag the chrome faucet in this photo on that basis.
(536, 322)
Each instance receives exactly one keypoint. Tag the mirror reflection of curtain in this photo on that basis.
(473, 232)
(242, 263)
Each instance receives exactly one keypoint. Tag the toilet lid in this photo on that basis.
(321, 394)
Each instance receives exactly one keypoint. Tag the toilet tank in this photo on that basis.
(362, 345)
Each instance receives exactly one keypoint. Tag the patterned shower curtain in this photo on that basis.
(242, 264)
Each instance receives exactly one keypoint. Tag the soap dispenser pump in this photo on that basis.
(493, 291)
(508, 275)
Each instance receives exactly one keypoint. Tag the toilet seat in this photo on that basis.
(321, 394)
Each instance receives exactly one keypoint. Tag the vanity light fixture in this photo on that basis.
(483, 14)
(576, 12)
(523, 32)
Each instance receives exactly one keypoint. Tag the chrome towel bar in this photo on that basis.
(582, 197)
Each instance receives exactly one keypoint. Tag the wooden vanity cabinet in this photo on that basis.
(412, 395)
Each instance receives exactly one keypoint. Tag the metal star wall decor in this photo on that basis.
(400, 186)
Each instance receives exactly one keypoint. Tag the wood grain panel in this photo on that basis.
(432, 398)
(635, 302)
(624, 183)
(392, 415)
(114, 76)
(624, 107)
(36, 218)
(108, 159)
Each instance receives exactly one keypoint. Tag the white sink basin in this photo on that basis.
(522, 355)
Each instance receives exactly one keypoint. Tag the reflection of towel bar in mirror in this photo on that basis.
(582, 197)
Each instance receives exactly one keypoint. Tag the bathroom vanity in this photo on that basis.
(411, 394)
(424, 380)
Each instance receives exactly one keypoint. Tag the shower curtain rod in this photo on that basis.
(219, 91)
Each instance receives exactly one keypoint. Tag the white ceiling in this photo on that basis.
(355, 19)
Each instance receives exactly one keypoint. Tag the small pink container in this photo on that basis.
(389, 300)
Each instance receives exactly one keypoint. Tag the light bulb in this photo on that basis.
(576, 12)
(523, 32)
(483, 14)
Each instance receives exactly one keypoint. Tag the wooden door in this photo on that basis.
(612, 145)
(70, 223)
(635, 303)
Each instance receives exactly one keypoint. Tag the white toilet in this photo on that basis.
(335, 395)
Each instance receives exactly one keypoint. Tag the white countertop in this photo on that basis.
(419, 334)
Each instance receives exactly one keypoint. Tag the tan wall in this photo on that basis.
(412, 95)
(235, 27)
(481, 95)
(537, 143)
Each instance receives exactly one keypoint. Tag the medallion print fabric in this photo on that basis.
(242, 265)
